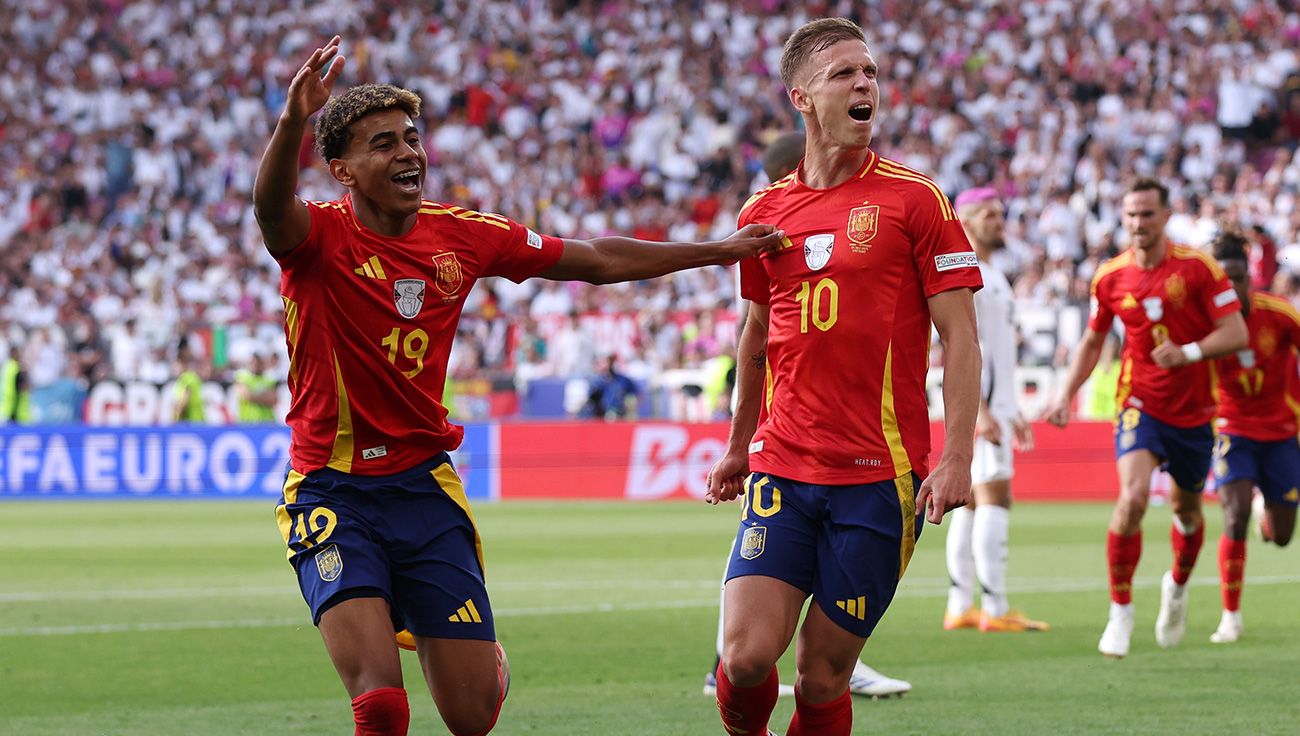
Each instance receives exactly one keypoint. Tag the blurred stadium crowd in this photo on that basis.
(131, 131)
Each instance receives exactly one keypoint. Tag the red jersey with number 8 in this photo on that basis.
(370, 320)
(849, 323)
(1179, 299)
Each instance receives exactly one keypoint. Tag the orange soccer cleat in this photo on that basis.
(405, 640)
(1012, 620)
(968, 619)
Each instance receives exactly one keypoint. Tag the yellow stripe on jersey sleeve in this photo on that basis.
(781, 183)
(893, 170)
(292, 326)
(1185, 253)
(468, 215)
(344, 440)
(1271, 303)
(1109, 267)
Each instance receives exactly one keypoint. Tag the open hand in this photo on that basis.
(309, 91)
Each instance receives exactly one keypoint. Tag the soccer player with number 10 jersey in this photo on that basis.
(1177, 309)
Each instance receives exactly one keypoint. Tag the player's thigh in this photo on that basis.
(437, 564)
(760, 614)
(358, 635)
(1280, 484)
(1189, 453)
(826, 655)
(867, 540)
(465, 678)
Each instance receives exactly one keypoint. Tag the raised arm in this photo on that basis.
(729, 473)
(1081, 366)
(282, 217)
(948, 486)
(610, 260)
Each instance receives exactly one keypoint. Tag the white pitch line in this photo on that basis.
(590, 608)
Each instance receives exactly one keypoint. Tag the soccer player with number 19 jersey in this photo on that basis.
(375, 517)
(1177, 308)
(1256, 442)
(837, 436)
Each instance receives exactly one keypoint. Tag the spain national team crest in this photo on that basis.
(817, 250)
(1175, 291)
(1267, 341)
(862, 227)
(753, 542)
(408, 295)
(449, 274)
(329, 563)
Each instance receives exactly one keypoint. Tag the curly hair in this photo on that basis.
(1230, 245)
(332, 136)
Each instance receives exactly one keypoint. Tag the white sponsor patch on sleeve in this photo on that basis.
(950, 261)
(534, 239)
(1093, 306)
(1224, 298)
(756, 446)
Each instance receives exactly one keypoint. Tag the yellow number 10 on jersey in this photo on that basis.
(826, 288)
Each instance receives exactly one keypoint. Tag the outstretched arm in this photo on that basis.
(282, 217)
(613, 259)
(729, 473)
(1085, 359)
(948, 486)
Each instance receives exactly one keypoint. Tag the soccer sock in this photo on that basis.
(746, 709)
(989, 542)
(1232, 570)
(961, 563)
(1122, 554)
(823, 719)
(1186, 548)
(382, 712)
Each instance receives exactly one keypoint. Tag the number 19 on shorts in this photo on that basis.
(815, 301)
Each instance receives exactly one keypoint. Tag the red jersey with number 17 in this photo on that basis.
(370, 320)
(1257, 385)
(1180, 299)
(849, 323)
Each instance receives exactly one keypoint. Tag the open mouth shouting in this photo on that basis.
(862, 112)
(409, 181)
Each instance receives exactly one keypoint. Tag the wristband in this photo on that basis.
(1192, 351)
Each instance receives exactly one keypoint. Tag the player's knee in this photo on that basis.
(821, 685)
(1282, 538)
(472, 717)
(746, 668)
(381, 712)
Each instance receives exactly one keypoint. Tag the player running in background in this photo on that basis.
(780, 158)
(375, 517)
(1177, 308)
(1256, 443)
(839, 325)
(977, 538)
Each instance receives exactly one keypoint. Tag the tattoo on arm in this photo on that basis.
(759, 359)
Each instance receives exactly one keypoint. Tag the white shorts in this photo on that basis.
(992, 462)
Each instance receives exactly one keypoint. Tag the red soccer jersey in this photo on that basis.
(849, 328)
(1179, 299)
(1256, 385)
(370, 320)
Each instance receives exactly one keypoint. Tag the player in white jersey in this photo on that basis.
(977, 537)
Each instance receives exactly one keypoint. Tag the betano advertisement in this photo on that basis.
(506, 461)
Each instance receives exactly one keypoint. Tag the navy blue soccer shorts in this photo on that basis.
(1183, 451)
(409, 538)
(846, 545)
(1273, 466)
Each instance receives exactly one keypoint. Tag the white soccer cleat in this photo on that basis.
(1119, 631)
(1229, 630)
(1171, 622)
(870, 683)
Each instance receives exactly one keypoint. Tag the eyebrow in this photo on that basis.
(390, 134)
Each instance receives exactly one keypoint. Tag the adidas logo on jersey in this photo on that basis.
(466, 614)
(371, 269)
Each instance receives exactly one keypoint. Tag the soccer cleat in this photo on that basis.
(1119, 630)
(870, 683)
(1229, 630)
(405, 640)
(1171, 622)
(968, 619)
(1012, 620)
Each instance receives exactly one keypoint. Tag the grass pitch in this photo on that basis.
(184, 618)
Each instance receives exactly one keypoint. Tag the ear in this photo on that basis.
(800, 99)
(341, 173)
